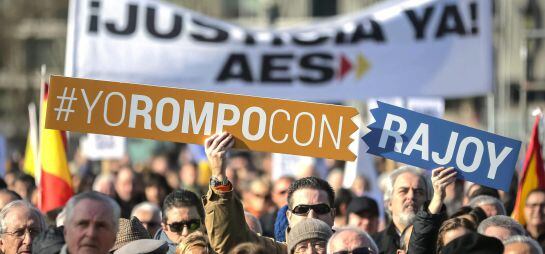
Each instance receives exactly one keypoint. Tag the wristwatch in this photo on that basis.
(214, 182)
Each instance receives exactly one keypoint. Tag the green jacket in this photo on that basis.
(226, 225)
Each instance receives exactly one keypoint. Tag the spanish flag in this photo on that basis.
(55, 180)
(533, 175)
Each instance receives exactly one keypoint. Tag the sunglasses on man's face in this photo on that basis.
(360, 250)
(318, 209)
(191, 225)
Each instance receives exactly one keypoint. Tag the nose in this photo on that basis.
(410, 194)
(27, 238)
(185, 231)
(311, 214)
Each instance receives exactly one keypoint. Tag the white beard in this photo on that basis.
(407, 218)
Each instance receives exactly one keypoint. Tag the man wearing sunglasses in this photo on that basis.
(183, 214)
(308, 197)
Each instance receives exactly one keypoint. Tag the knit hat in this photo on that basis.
(306, 230)
(129, 230)
(473, 243)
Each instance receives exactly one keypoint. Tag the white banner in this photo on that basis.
(397, 48)
(98, 147)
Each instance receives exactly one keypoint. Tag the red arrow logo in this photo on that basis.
(344, 67)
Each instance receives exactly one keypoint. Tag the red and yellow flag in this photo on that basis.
(55, 180)
(533, 175)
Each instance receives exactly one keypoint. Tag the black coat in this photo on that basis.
(425, 230)
(387, 240)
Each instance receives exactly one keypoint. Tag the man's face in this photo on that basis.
(91, 228)
(152, 224)
(312, 246)
(518, 248)
(498, 232)
(308, 196)
(280, 192)
(407, 196)
(124, 184)
(178, 226)
(22, 227)
(534, 211)
(367, 222)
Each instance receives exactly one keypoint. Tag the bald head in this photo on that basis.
(350, 238)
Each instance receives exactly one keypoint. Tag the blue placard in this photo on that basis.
(428, 142)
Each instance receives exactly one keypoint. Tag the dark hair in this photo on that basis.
(483, 190)
(182, 198)
(476, 213)
(248, 248)
(156, 180)
(344, 196)
(538, 190)
(452, 224)
(14, 195)
(30, 184)
(311, 182)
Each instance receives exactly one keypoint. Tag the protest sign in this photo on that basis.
(189, 116)
(98, 147)
(395, 48)
(428, 142)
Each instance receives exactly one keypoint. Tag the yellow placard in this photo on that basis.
(189, 116)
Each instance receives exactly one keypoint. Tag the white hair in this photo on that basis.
(504, 222)
(147, 207)
(534, 245)
(428, 191)
(362, 236)
(16, 204)
(488, 200)
(96, 196)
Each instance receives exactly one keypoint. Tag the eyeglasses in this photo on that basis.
(20, 233)
(191, 225)
(318, 208)
(360, 250)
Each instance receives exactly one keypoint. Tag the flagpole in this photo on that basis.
(38, 176)
(33, 130)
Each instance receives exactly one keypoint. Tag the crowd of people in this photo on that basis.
(242, 210)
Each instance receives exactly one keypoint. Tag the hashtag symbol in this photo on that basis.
(68, 109)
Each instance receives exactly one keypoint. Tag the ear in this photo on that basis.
(288, 216)
(164, 226)
(2, 245)
(389, 205)
(400, 251)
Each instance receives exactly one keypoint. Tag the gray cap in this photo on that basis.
(306, 230)
(144, 246)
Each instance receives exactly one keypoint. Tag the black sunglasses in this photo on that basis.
(360, 250)
(178, 227)
(318, 208)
